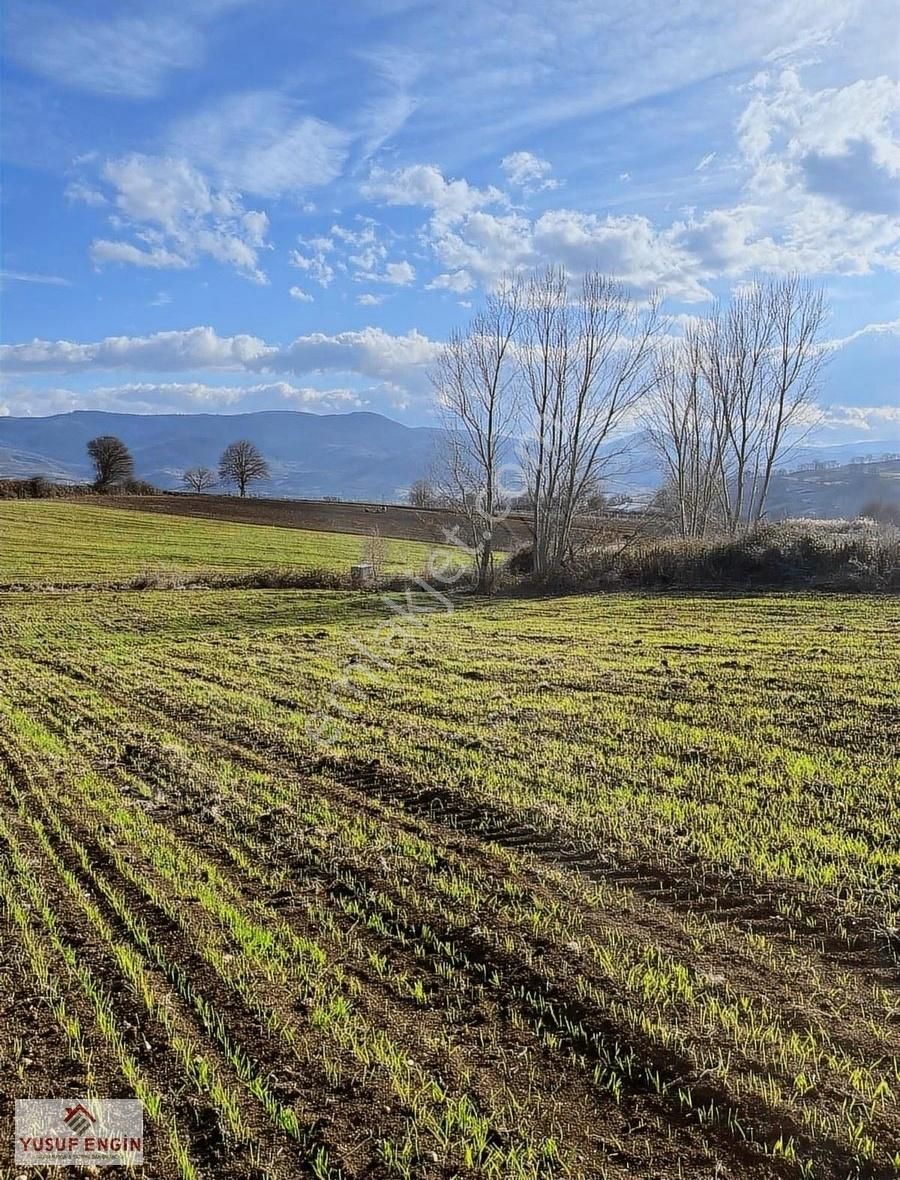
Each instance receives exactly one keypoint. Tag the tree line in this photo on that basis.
(241, 464)
(537, 390)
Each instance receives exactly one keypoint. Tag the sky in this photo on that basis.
(228, 205)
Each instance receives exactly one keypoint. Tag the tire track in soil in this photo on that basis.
(509, 974)
(694, 1140)
(732, 896)
(357, 1116)
(216, 1150)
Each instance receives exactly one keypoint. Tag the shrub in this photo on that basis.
(835, 555)
(38, 487)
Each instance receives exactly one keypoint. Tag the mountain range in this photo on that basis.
(361, 456)
(356, 456)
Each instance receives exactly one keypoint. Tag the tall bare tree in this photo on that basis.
(475, 381)
(798, 312)
(112, 461)
(199, 479)
(733, 398)
(682, 424)
(588, 362)
(241, 464)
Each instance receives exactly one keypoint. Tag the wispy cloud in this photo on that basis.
(18, 276)
(127, 56)
(262, 143)
(889, 328)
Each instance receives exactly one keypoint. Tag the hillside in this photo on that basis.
(51, 542)
(831, 490)
(358, 456)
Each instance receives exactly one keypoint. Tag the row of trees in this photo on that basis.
(730, 398)
(241, 464)
(537, 389)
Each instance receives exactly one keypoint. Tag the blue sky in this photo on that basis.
(221, 205)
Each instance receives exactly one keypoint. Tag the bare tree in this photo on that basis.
(587, 364)
(681, 422)
(241, 464)
(761, 359)
(421, 494)
(731, 400)
(198, 479)
(475, 380)
(797, 311)
(112, 461)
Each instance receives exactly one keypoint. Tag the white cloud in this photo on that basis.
(262, 143)
(371, 352)
(314, 264)
(823, 171)
(196, 393)
(460, 282)
(393, 103)
(369, 300)
(398, 274)
(628, 247)
(425, 185)
(299, 294)
(196, 348)
(147, 397)
(103, 251)
(178, 218)
(528, 172)
(889, 328)
(865, 418)
(820, 175)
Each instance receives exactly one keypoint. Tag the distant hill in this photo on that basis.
(357, 456)
(365, 456)
(830, 490)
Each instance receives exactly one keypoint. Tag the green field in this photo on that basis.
(54, 542)
(588, 886)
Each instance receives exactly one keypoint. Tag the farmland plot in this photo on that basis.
(588, 887)
(55, 542)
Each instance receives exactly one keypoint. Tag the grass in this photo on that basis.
(53, 542)
(578, 887)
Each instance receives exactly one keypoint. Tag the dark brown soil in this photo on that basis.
(405, 524)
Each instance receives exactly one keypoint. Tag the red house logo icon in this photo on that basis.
(78, 1119)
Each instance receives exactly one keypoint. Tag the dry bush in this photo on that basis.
(835, 555)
